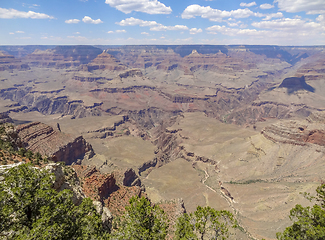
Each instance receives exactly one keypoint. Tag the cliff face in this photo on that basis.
(9, 62)
(294, 84)
(62, 56)
(45, 103)
(313, 70)
(296, 133)
(105, 61)
(49, 58)
(41, 138)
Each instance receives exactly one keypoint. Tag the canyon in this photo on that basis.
(240, 128)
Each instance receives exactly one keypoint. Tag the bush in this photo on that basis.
(31, 209)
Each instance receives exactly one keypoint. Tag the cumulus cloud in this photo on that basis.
(291, 24)
(110, 32)
(121, 31)
(273, 15)
(293, 6)
(20, 32)
(146, 6)
(195, 30)
(247, 4)
(145, 33)
(266, 6)
(316, 12)
(72, 21)
(161, 27)
(13, 13)
(154, 26)
(234, 31)
(215, 15)
(87, 19)
(11, 33)
(134, 21)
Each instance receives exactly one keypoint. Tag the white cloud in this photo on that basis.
(11, 33)
(134, 21)
(20, 32)
(273, 15)
(266, 6)
(287, 24)
(316, 12)
(121, 31)
(13, 13)
(72, 21)
(154, 26)
(76, 33)
(321, 19)
(110, 32)
(78, 38)
(30, 5)
(293, 6)
(235, 31)
(145, 33)
(146, 6)
(195, 30)
(247, 4)
(215, 15)
(161, 27)
(87, 19)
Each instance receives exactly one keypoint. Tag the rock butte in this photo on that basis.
(234, 127)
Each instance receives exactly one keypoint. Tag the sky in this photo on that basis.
(142, 22)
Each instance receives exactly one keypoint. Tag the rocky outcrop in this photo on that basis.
(131, 73)
(9, 62)
(49, 58)
(45, 103)
(296, 133)
(96, 185)
(66, 178)
(317, 117)
(105, 61)
(131, 178)
(4, 118)
(294, 84)
(314, 69)
(62, 56)
(105, 213)
(42, 138)
(108, 189)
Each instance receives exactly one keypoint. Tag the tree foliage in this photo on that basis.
(205, 222)
(142, 221)
(309, 221)
(31, 209)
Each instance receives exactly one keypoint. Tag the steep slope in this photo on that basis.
(58, 146)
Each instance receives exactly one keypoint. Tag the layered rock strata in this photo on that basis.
(9, 62)
(293, 132)
(105, 61)
(42, 138)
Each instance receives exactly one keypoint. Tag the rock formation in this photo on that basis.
(294, 84)
(63, 56)
(296, 133)
(105, 61)
(66, 178)
(9, 62)
(41, 138)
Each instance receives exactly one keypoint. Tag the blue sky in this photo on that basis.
(120, 22)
